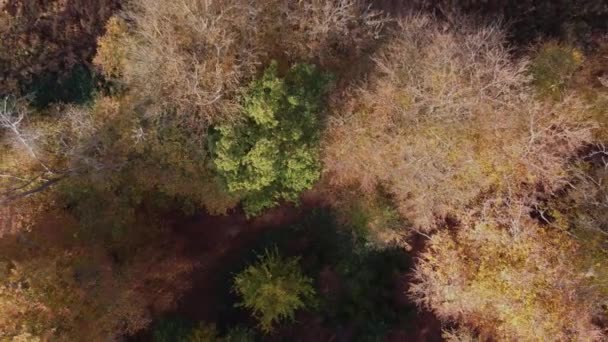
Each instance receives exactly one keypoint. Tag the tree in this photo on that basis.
(56, 287)
(431, 124)
(507, 278)
(112, 49)
(191, 58)
(274, 288)
(23, 170)
(273, 153)
(48, 41)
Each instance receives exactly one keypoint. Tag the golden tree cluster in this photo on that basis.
(506, 277)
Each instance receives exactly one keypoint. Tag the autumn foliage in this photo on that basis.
(433, 168)
(511, 282)
(446, 116)
(50, 37)
(191, 58)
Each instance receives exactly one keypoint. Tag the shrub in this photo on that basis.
(178, 330)
(366, 297)
(274, 288)
(273, 153)
(171, 163)
(431, 124)
(356, 283)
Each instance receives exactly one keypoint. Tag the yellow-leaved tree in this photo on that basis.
(507, 278)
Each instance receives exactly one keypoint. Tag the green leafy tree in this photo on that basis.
(273, 154)
(274, 288)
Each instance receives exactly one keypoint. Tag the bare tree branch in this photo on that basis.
(10, 119)
(39, 188)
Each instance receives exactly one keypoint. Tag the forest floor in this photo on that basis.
(219, 243)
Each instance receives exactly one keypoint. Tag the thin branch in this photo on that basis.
(9, 119)
(35, 190)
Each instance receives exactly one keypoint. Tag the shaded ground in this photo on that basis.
(220, 242)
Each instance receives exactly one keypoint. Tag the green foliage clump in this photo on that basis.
(77, 86)
(553, 67)
(274, 288)
(273, 154)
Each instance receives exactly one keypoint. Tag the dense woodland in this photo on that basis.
(303, 170)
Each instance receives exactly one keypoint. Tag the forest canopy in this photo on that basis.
(308, 170)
